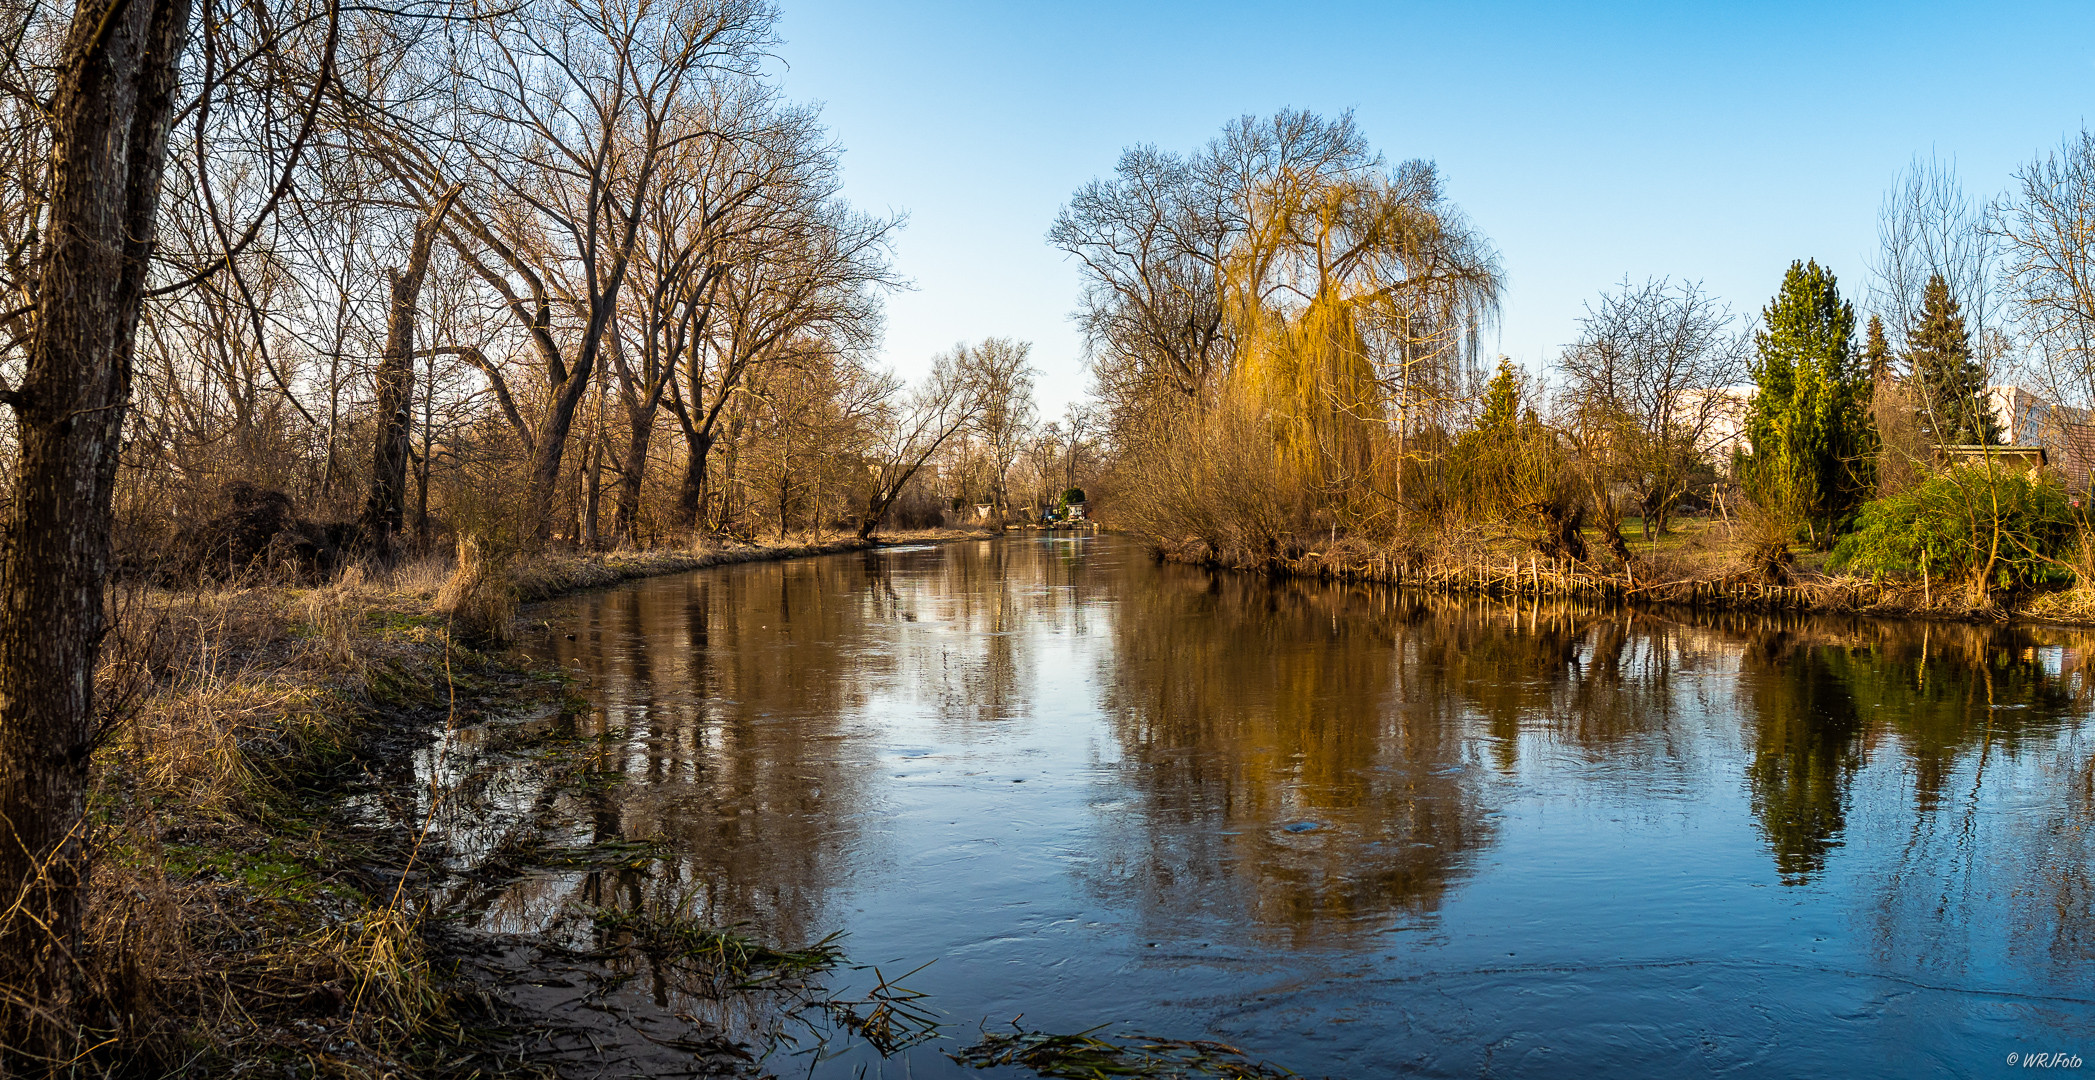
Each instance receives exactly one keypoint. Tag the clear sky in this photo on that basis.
(1712, 142)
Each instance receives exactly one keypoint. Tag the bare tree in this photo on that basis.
(2046, 226)
(1080, 422)
(385, 507)
(1927, 226)
(1003, 376)
(1647, 379)
(1929, 231)
(576, 108)
(1152, 240)
(1044, 453)
(954, 396)
(811, 269)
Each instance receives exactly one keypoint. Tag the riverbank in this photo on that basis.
(553, 575)
(1705, 565)
(269, 818)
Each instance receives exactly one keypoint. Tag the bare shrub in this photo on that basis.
(1769, 534)
(255, 535)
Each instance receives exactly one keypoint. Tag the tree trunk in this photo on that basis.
(110, 114)
(876, 509)
(625, 522)
(422, 465)
(592, 491)
(385, 506)
(691, 494)
(546, 457)
(551, 443)
(724, 511)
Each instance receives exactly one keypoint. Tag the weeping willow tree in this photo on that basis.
(1355, 299)
(1313, 379)
(1282, 325)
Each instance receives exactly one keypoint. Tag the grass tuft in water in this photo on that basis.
(1087, 1056)
(895, 1017)
(722, 959)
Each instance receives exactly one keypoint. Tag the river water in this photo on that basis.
(1352, 831)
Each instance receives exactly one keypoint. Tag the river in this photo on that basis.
(1353, 831)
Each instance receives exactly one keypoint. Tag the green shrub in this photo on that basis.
(1962, 523)
(1073, 495)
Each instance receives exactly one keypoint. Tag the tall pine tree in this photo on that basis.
(1876, 353)
(1951, 382)
(1809, 424)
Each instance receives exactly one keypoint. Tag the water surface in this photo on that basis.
(1356, 832)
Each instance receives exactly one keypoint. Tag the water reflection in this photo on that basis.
(719, 704)
(1088, 782)
(1280, 767)
(1826, 694)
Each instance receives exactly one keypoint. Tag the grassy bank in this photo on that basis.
(263, 811)
(1699, 563)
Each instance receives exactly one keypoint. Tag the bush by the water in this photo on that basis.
(1974, 523)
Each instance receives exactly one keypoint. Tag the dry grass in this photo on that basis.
(213, 934)
(480, 597)
(223, 930)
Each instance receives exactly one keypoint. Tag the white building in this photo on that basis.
(2067, 434)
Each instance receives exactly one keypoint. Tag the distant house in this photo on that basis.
(1725, 434)
(2066, 435)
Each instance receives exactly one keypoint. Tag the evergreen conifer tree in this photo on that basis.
(1952, 384)
(1876, 352)
(1502, 401)
(1809, 426)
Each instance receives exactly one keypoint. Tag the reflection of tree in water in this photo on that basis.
(976, 614)
(1242, 706)
(720, 694)
(1982, 724)
(1805, 748)
(1826, 692)
(1610, 685)
(967, 661)
(1950, 689)
(2055, 924)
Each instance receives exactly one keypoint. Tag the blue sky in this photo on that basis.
(1712, 142)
